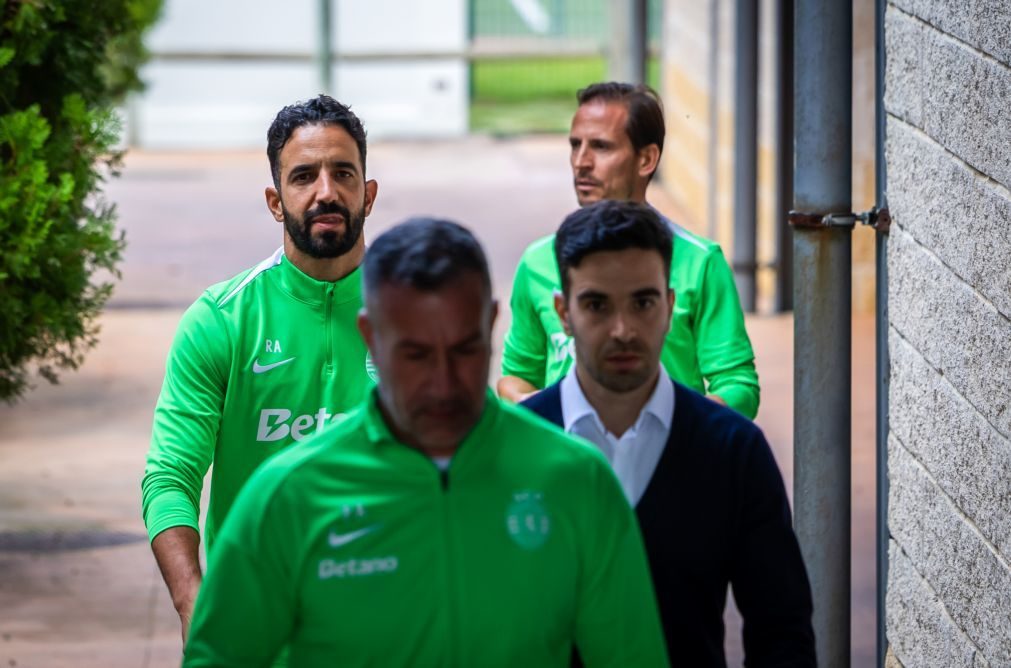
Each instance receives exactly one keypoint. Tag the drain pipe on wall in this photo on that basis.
(783, 293)
(745, 149)
(822, 222)
(881, 359)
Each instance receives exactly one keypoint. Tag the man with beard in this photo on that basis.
(706, 489)
(271, 356)
(435, 525)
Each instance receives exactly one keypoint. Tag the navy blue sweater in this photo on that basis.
(715, 513)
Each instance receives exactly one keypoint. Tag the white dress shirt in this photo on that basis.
(635, 454)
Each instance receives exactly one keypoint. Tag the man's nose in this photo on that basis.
(442, 379)
(621, 328)
(326, 188)
(582, 158)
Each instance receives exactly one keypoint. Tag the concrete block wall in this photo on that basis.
(948, 151)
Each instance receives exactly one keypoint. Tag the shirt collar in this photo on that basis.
(307, 289)
(378, 432)
(576, 407)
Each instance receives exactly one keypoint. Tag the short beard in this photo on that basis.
(619, 383)
(329, 244)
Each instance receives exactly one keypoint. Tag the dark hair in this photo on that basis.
(645, 124)
(320, 110)
(610, 225)
(425, 254)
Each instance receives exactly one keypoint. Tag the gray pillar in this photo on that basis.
(822, 267)
(881, 359)
(324, 52)
(783, 294)
(627, 61)
(745, 149)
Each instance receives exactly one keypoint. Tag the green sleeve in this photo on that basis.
(617, 622)
(245, 611)
(726, 359)
(524, 354)
(186, 421)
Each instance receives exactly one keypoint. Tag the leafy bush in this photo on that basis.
(64, 65)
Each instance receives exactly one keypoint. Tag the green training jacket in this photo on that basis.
(259, 362)
(357, 550)
(707, 348)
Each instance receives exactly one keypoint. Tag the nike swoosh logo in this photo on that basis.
(339, 539)
(258, 368)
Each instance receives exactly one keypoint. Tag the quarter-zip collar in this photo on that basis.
(308, 290)
(379, 434)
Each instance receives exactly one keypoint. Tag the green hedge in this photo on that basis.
(64, 65)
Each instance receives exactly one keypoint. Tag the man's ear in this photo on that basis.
(563, 312)
(371, 190)
(649, 158)
(274, 203)
(494, 315)
(365, 327)
(670, 306)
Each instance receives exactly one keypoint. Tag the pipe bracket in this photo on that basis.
(879, 219)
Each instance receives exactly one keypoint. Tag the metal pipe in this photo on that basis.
(628, 41)
(823, 71)
(745, 149)
(325, 53)
(881, 358)
(783, 291)
(713, 113)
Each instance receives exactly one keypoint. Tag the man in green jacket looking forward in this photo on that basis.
(616, 139)
(434, 526)
(271, 356)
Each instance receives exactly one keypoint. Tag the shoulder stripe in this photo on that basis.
(271, 261)
(681, 232)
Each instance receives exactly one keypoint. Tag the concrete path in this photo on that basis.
(78, 586)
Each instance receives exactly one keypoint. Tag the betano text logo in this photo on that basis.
(354, 568)
(277, 424)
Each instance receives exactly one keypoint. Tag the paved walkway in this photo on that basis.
(78, 586)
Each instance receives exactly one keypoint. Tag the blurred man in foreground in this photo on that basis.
(706, 489)
(616, 139)
(434, 526)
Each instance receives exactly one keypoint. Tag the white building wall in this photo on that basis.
(221, 70)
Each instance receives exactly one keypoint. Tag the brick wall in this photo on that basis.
(948, 97)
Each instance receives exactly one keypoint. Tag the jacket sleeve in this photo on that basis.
(726, 359)
(186, 420)
(617, 622)
(245, 612)
(768, 576)
(524, 353)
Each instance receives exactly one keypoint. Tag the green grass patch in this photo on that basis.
(533, 95)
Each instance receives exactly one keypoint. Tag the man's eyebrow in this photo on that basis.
(345, 164)
(646, 292)
(313, 166)
(592, 294)
(469, 340)
(301, 169)
(419, 345)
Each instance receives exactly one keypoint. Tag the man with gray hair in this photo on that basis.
(434, 526)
